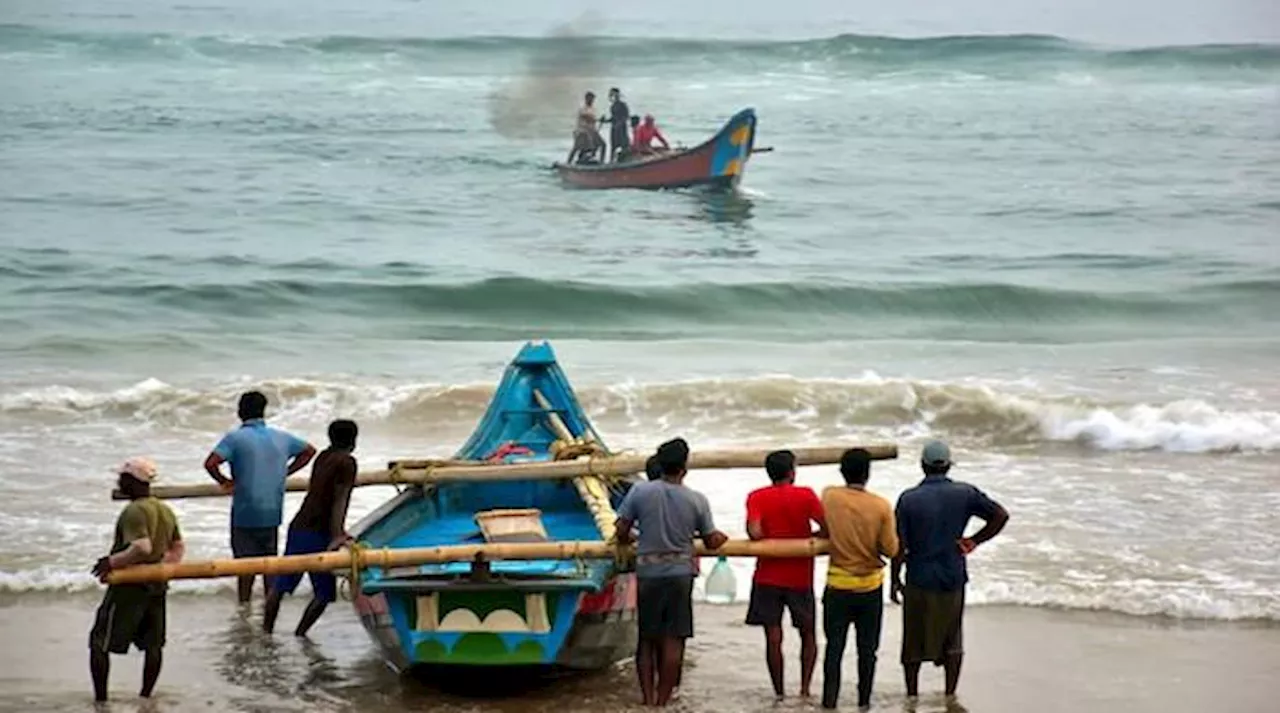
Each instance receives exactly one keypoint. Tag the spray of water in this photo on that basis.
(541, 103)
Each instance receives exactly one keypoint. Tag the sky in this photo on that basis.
(1117, 22)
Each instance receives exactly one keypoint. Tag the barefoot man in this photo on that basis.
(670, 516)
(261, 458)
(146, 533)
(320, 525)
(932, 518)
(784, 511)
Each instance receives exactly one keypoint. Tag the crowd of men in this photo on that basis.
(629, 136)
(924, 534)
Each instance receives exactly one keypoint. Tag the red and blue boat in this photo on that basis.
(717, 163)
(575, 614)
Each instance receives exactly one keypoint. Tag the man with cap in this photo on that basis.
(932, 518)
(670, 516)
(146, 533)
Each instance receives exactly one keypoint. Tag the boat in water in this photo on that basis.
(717, 163)
(555, 613)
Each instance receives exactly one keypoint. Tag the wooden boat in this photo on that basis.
(555, 613)
(718, 163)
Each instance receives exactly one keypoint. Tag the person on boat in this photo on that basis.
(932, 518)
(670, 516)
(320, 525)
(619, 116)
(784, 510)
(645, 135)
(146, 533)
(587, 142)
(261, 458)
(862, 535)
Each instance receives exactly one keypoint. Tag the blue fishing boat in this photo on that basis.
(554, 613)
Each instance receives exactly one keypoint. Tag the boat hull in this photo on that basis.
(545, 613)
(718, 163)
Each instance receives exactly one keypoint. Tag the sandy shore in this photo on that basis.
(1019, 660)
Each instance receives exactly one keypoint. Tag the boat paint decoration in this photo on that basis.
(733, 146)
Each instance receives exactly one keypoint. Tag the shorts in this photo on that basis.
(932, 625)
(768, 601)
(129, 614)
(665, 607)
(324, 585)
(254, 541)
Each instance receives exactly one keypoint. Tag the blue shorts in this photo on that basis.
(307, 542)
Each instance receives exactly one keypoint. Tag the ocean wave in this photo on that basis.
(565, 308)
(972, 414)
(571, 51)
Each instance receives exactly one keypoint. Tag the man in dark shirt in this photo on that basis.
(619, 116)
(320, 525)
(932, 518)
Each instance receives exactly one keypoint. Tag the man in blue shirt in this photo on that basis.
(261, 458)
(932, 518)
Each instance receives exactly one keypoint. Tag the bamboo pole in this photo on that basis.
(389, 558)
(604, 466)
(592, 489)
(298, 484)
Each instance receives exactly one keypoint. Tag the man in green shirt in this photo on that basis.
(146, 533)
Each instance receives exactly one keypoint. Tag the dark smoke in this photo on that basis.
(543, 102)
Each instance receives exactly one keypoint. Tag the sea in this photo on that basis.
(1057, 253)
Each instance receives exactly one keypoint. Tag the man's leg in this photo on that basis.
(310, 616)
(804, 618)
(911, 677)
(952, 667)
(835, 625)
(244, 588)
(100, 670)
(646, 669)
(868, 618)
(773, 658)
(151, 670)
(668, 668)
(272, 609)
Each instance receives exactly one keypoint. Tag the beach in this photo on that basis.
(1017, 660)
(1047, 240)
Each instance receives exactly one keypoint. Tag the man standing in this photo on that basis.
(320, 525)
(784, 511)
(862, 533)
(670, 516)
(932, 518)
(619, 118)
(261, 458)
(146, 532)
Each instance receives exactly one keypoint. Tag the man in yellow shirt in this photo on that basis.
(863, 538)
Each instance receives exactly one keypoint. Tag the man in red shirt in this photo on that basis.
(783, 510)
(645, 134)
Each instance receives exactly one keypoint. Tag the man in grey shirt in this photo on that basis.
(670, 516)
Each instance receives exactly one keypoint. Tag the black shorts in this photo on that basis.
(768, 601)
(665, 607)
(254, 541)
(932, 625)
(129, 614)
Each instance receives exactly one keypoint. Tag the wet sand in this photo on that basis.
(1019, 660)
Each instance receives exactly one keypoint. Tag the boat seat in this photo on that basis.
(519, 525)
